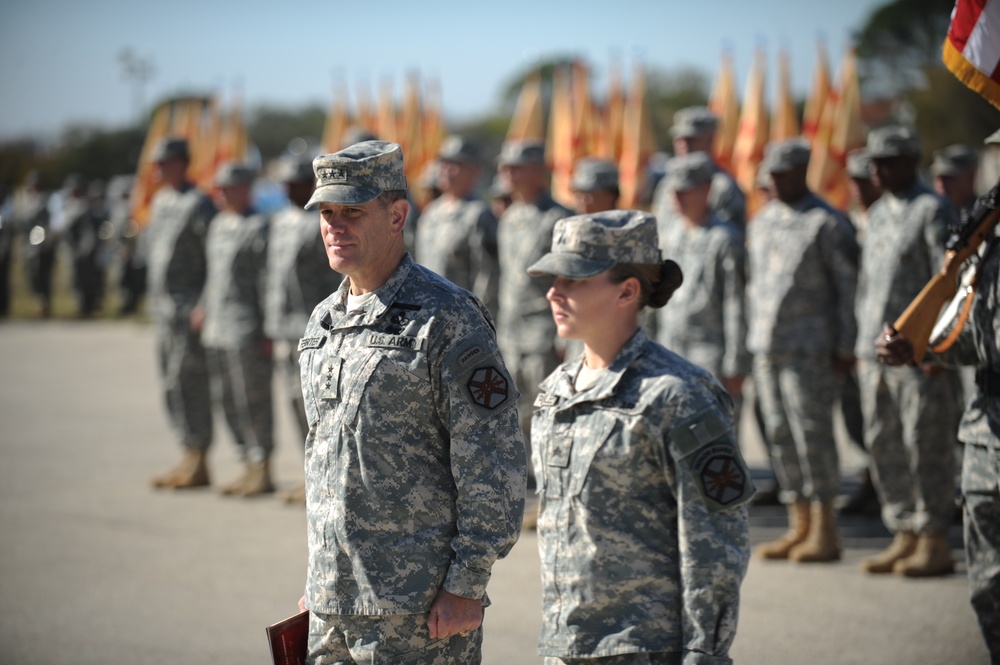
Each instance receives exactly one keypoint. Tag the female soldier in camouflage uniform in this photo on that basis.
(642, 525)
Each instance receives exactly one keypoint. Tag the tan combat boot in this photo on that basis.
(931, 558)
(191, 472)
(903, 545)
(822, 543)
(256, 480)
(798, 530)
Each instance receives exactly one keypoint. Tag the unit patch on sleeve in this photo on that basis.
(488, 387)
(705, 446)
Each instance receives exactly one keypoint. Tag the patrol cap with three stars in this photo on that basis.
(953, 160)
(230, 174)
(521, 153)
(783, 156)
(893, 141)
(693, 121)
(687, 171)
(591, 175)
(587, 245)
(170, 147)
(458, 150)
(859, 164)
(358, 174)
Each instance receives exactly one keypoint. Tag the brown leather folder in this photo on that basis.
(288, 639)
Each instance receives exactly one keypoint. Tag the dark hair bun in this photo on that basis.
(670, 280)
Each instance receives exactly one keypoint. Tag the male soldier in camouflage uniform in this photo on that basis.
(415, 466)
(955, 169)
(174, 246)
(803, 273)
(594, 185)
(239, 353)
(80, 233)
(30, 210)
(704, 321)
(978, 345)
(643, 526)
(457, 236)
(298, 278)
(911, 413)
(694, 131)
(524, 325)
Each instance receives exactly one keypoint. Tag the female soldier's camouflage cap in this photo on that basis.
(358, 174)
(587, 245)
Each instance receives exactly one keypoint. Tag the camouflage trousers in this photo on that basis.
(981, 490)
(186, 393)
(242, 380)
(641, 658)
(911, 426)
(528, 371)
(796, 394)
(286, 363)
(403, 639)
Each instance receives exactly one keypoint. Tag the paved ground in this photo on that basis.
(96, 568)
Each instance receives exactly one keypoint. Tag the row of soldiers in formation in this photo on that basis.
(786, 297)
(88, 223)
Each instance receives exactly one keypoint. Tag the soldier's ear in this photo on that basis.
(399, 210)
(629, 292)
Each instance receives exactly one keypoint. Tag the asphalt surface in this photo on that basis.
(97, 568)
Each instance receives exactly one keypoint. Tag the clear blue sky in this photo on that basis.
(59, 58)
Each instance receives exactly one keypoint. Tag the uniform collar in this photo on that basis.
(561, 383)
(373, 310)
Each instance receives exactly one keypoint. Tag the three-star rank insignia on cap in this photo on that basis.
(488, 387)
(331, 174)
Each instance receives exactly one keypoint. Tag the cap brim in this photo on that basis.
(342, 195)
(568, 265)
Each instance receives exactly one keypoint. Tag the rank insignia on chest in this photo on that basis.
(488, 387)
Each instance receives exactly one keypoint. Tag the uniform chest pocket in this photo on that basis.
(570, 454)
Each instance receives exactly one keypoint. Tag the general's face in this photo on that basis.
(360, 235)
(581, 308)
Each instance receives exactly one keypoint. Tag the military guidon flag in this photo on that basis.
(972, 48)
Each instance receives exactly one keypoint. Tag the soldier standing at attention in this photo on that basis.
(595, 186)
(911, 413)
(174, 245)
(955, 169)
(239, 353)
(457, 235)
(705, 321)
(415, 466)
(803, 275)
(524, 325)
(643, 529)
(298, 278)
(694, 131)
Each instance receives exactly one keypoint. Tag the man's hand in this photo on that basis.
(197, 319)
(892, 348)
(302, 604)
(734, 384)
(451, 615)
(843, 365)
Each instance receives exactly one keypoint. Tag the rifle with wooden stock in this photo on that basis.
(917, 323)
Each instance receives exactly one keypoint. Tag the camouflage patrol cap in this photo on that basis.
(693, 121)
(782, 156)
(294, 169)
(170, 147)
(893, 141)
(859, 164)
(520, 153)
(953, 160)
(587, 245)
(687, 171)
(591, 175)
(993, 139)
(458, 150)
(358, 174)
(230, 174)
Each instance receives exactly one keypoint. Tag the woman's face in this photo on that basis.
(583, 308)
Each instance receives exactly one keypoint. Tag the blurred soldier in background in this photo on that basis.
(955, 170)
(457, 237)
(298, 278)
(131, 262)
(80, 233)
(498, 196)
(525, 329)
(174, 247)
(803, 271)
(595, 186)
(911, 413)
(239, 353)
(31, 216)
(705, 321)
(694, 131)
(6, 245)
(864, 191)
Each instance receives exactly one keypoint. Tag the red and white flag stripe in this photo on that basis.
(972, 48)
